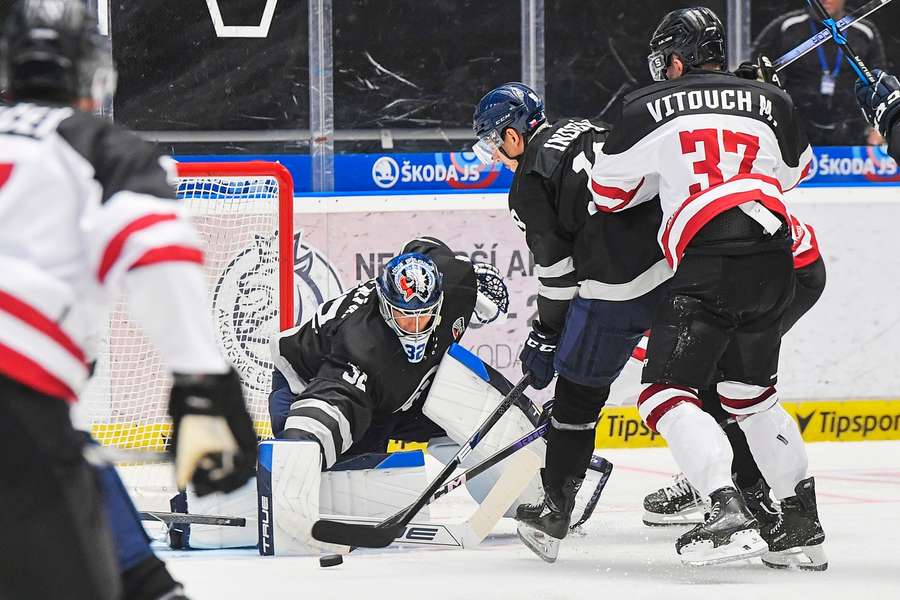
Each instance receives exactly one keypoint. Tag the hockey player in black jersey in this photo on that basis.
(880, 104)
(86, 209)
(599, 280)
(720, 152)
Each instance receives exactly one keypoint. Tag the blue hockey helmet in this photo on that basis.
(512, 105)
(411, 292)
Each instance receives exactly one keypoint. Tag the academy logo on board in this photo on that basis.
(245, 302)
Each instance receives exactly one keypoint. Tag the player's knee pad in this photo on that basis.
(741, 399)
(577, 406)
(656, 400)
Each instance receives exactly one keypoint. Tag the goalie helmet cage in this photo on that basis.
(243, 212)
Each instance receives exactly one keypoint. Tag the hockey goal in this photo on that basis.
(244, 214)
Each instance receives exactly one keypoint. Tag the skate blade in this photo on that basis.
(742, 545)
(545, 546)
(802, 558)
(690, 516)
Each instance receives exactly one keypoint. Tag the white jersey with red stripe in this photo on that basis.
(705, 143)
(85, 208)
(805, 247)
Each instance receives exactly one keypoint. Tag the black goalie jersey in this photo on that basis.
(346, 369)
(604, 257)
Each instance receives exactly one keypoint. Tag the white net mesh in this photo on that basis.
(237, 217)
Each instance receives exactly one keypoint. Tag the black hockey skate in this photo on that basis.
(676, 504)
(796, 539)
(759, 501)
(729, 533)
(542, 526)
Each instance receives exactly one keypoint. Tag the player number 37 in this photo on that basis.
(712, 143)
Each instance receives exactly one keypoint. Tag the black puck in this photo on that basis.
(331, 560)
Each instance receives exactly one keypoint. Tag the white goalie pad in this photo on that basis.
(465, 391)
(372, 486)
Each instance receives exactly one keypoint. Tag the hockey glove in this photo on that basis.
(880, 103)
(761, 70)
(492, 298)
(537, 355)
(213, 437)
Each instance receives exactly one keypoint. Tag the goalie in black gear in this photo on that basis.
(87, 209)
(599, 280)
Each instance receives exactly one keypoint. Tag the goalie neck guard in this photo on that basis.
(410, 294)
(696, 35)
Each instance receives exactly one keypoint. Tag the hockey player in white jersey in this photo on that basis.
(720, 152)
(86, 208)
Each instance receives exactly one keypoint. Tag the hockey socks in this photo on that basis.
(777, 447)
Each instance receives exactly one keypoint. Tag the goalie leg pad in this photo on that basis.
(465, 391)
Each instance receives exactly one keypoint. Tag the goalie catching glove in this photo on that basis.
(492, 298)
(213, 437)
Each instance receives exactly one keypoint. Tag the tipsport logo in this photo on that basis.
(848, 421)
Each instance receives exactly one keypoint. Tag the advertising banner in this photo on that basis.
(460, 172)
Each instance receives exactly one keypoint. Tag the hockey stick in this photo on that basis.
(862, 71)
(382, 534)
(170, 518)
(102, 456)
(823, 36)
(604, 467)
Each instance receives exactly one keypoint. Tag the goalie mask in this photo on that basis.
(410, 296)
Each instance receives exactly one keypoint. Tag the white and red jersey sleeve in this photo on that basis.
(84, 208)
(707, 142)
(805, 247)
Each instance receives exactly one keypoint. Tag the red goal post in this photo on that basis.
(243, 212)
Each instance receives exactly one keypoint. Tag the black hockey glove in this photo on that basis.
(761, 70)
(880, 103)
(537, 355)
(492, 297)
(213, 438)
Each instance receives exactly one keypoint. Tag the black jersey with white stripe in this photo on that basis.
(609, 257)
(347, 367)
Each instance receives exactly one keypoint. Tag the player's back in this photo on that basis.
(43, 195)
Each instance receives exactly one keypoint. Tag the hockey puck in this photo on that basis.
(331, 560)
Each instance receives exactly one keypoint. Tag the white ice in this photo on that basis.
(618, 558)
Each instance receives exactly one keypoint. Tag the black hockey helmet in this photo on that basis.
(696, 35)
(53, 50)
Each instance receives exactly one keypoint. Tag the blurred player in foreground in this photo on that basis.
(86, 208)
(720, 152)
(881, 107)
(600, 278)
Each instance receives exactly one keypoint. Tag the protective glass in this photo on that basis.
(487, 146)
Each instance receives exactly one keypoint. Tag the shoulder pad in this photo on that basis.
(546, 150)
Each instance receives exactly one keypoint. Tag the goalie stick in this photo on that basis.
(824, 35)
(382, 534)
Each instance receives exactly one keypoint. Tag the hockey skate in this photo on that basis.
(759, 501)
(796, 539)
(677, 504)
(729, 533)
(542, 526)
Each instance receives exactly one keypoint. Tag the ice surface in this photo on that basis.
(618, 558)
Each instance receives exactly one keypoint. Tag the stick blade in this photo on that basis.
(355, 534)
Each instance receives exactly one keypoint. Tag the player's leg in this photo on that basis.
(596, 342)
(144, 576)
(796, 536)
(691, 331)
(55, 538)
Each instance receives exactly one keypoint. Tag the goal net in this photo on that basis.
(244, 214)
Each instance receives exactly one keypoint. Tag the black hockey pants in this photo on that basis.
(54, 538)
